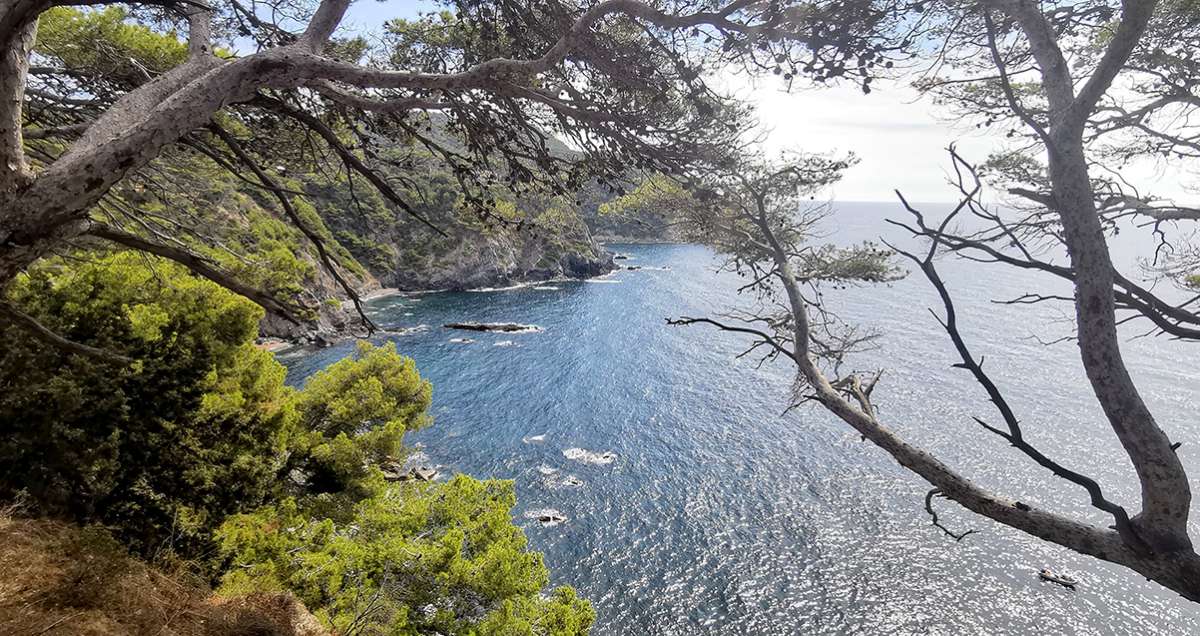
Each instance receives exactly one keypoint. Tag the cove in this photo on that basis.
(719, 515)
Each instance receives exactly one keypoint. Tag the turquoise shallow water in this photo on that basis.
(719, 515)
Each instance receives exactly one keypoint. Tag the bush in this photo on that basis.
(413, 559)
(198, 449)
(160, 450)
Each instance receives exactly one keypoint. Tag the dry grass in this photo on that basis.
(59, 579)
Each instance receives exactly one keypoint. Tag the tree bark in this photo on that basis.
(17, 33)
(1165, 492)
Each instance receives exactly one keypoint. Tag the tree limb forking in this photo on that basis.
(141, 122)
(1014, 433)
(933, 516)
(348, 156)
(1127, 542)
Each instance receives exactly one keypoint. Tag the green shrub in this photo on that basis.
(417, 558)
(198, 449)
(160, 450)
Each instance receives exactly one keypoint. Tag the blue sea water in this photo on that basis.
(721, 515)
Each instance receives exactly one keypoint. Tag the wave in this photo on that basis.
(499, 289)
(405, 331)
(590, 457)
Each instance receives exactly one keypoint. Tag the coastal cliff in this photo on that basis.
(478, 260)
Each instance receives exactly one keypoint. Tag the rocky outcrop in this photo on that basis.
(466, 261)
(333, 315)
(477, 261)
(507, 327)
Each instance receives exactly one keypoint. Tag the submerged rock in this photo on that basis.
(1067, 581)
(546, 516)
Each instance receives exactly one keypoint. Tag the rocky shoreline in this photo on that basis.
(336, 324)
(497, 268)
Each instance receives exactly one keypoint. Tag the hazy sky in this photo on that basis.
(900, 139)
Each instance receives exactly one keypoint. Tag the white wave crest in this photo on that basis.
(590, 457)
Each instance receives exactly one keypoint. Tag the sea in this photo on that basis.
(696, 502)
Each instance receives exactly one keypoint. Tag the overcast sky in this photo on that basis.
(900, 139)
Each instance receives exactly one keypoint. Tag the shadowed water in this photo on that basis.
(720, 516)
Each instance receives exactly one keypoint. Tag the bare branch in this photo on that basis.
(959, 536)
(290, 210)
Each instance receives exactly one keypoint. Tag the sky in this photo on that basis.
(899, 137)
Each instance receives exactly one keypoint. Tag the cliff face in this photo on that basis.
(629, 225)
(381, 249)
(477, 260)
(334, 316)
(523, 239)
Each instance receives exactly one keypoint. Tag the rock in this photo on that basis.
(546, 516)
(507, 327)
(500, 259)
(393, 471)
(621, 257)
(1046, 574)
(424, 474)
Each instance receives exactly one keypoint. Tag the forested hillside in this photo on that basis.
(214, 197)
